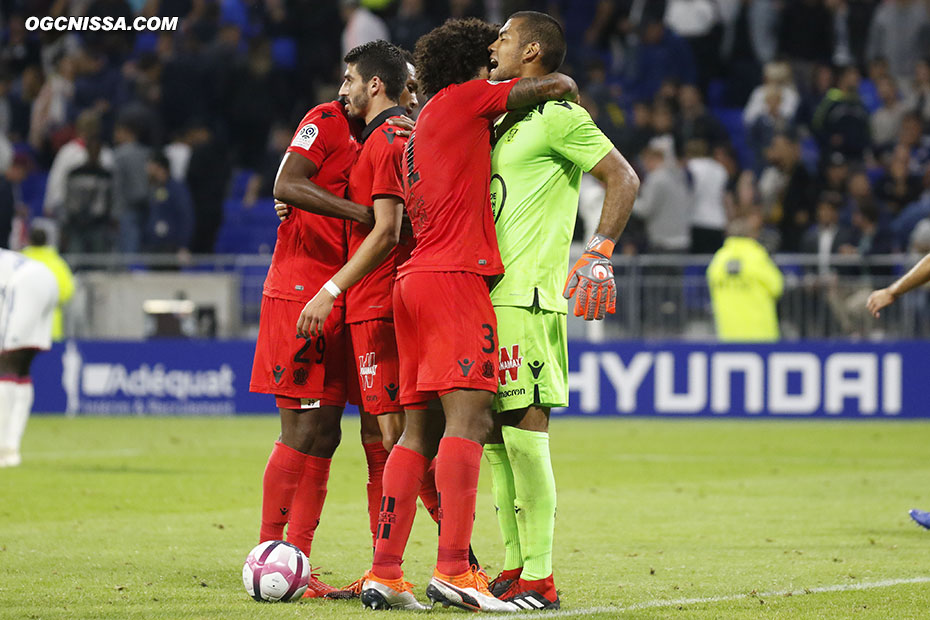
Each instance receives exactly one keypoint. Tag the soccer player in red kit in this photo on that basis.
(444, 321)
(376, 78)
(307, 375)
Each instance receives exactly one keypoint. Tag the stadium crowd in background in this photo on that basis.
(813, 101)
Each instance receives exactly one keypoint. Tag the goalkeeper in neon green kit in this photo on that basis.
(536, 165)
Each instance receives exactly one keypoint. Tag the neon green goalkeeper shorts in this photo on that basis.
(533, 358)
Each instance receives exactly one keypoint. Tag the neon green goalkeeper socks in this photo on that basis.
(534, 502)
(502, 481)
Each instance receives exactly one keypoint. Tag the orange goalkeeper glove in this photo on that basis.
(593, 277)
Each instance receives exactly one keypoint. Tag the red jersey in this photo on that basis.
(447, 167)
(378, 172)
(311, 248)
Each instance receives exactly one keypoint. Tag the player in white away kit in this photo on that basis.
(28, 296)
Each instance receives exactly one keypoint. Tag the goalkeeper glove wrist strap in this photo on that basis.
(600, 245)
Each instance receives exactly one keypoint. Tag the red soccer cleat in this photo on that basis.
(316, 588)
(533, 595)
(504, 580)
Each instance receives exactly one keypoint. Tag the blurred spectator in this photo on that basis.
(790, 190)
(255, 100)
(130, 185)
(664, 202)
(23, 94)
(207, 179)
(410, 23)
(41, 250)
(6, 108)
(749, 43)
(698, 22)
(898, 28)
(827, 235)
(834, 176)
(73, 155)
(361, 25)
(85, 218)
(19, 50)
(658, 56)
(745, 285)
(709, 184)
(96, 84)
(912, 139)
(170, 215)
(886, 120)
(860, 196)
(778, 79)
(52, 107)
(898, 187)
(841, 122)
(868, 86)
(871, 237)
(637, 134)
(261, 183)
(919, 99)
(695, 122)
(761, 131)
(9, 186)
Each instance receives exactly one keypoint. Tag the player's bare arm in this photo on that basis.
(371, 253)
(917, 276)
(592, 277)
(293, 186)
(529, 91)
(621, 186)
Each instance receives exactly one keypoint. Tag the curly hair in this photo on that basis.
(453, 53)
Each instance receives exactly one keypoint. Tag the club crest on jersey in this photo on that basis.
(367, 368)
(510, 363)
(300, 376)
(487, 369)
(306, 136)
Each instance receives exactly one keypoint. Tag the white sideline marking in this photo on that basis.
(845, 587)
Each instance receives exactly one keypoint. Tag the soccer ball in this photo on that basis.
(276, 571)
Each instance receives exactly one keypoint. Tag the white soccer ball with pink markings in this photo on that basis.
(276, 571)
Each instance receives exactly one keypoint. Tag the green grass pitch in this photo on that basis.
(152, 518)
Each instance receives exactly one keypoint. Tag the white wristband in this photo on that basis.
(332, 289)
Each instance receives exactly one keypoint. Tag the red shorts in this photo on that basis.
(301, 370)
(374, 363)
(446, 334)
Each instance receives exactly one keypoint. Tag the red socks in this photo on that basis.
(403, 477)
(308, 503)
(457, 465)
(377, 457)
(282, 473)
(428, 493)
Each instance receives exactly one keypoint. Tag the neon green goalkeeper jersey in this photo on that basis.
(536, 167)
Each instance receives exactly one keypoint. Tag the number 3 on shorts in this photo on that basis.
(489, 336)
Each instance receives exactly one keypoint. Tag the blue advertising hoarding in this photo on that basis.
(672, 379)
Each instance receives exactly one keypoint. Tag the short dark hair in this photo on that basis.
(453, 53)
(37, 236)
(384, 60)
(545, 30)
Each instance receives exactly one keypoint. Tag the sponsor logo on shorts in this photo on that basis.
(367, 368)
(466, 365)
(278, 372)
(487, 369)
(391, 389)
(300, 376)
(509, 393)
(536, 367)
(510, 363)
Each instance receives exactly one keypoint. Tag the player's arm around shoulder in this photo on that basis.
(529, 91)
